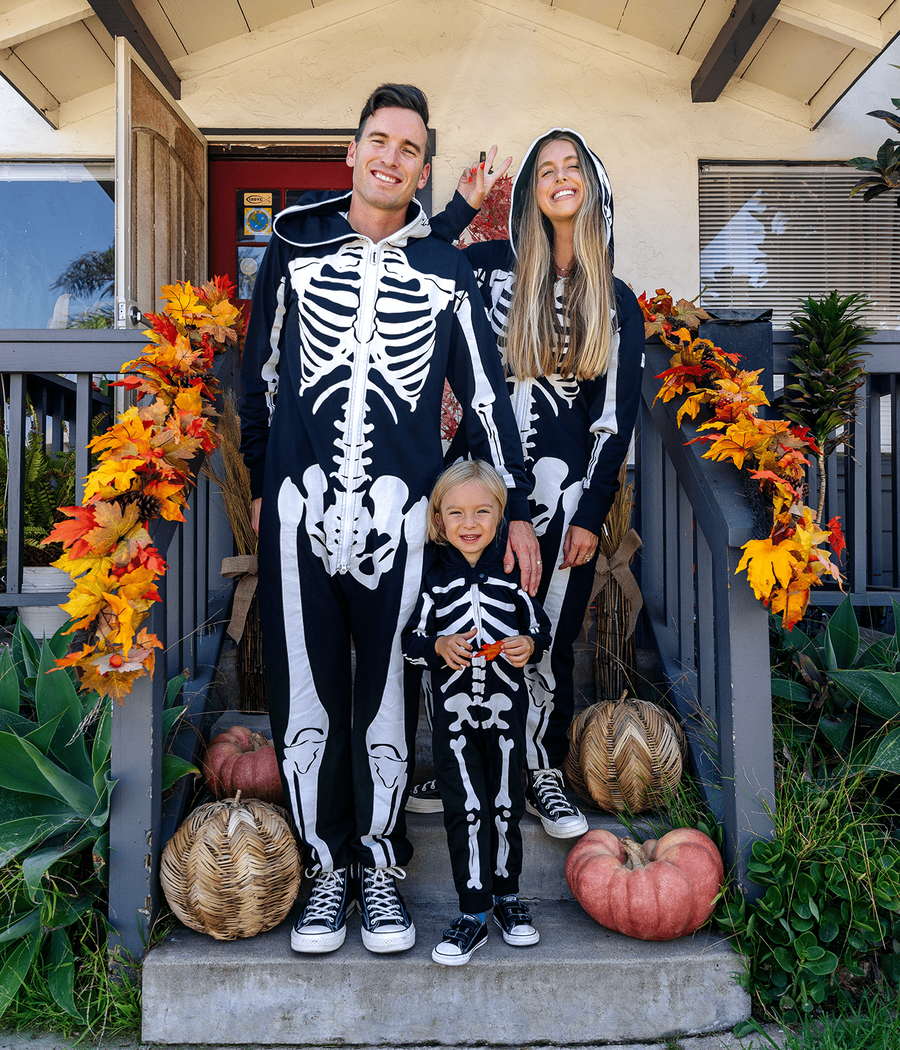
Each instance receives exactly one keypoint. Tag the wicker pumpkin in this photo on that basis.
(625, 755)
(232, 869)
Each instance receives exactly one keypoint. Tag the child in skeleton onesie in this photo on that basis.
(479, 702)
(572, 339)
(358, 318)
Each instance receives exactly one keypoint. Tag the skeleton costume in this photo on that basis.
(575, 435)
(478, 716)
(348, 346)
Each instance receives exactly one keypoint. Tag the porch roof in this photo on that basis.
(805, 51)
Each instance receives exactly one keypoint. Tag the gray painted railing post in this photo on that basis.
(710, 631)
(135, 810)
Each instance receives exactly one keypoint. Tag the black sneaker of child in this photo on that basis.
(425, 798)
(464, 937)
(514, 919)
(545, 799)
(386, 925)
(322, 925)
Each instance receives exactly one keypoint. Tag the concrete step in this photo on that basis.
(580, 984)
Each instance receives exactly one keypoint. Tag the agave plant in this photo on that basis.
(55, 791)
(828, 371)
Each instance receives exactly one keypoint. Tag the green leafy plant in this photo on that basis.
(48, 482)
(828, 371)
(829, 912)
(844, 690)
(883, 170)
(55, 791)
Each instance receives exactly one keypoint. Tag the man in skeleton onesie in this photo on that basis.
(358, 317)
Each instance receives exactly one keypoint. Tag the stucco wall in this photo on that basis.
(496, 71)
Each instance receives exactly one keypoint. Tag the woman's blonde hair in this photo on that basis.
(535, 342)
(459, 474)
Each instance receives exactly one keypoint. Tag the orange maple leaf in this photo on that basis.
(768, 564)
(489, 651)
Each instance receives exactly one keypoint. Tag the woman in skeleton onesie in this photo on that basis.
(475, 629)
(572, 339)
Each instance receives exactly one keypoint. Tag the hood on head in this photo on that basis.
(522, 182)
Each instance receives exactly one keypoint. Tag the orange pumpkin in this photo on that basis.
(241, 760)
(657, 892)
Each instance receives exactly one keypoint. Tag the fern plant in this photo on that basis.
(48, 482)
(828, 370)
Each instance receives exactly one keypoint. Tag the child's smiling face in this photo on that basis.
(469, 517)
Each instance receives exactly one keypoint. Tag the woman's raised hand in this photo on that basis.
(476, 182)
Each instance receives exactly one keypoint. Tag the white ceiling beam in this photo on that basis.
(29, 87)
(834, 21)
(39, 17)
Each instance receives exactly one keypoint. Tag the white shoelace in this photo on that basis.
(380, 893)
(325, 896)
(548, 789)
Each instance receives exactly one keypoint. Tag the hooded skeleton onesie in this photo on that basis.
(348, 346)
(478, 716)
(575, 435)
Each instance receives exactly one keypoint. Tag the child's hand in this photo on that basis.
(518, 649)
(454, 649)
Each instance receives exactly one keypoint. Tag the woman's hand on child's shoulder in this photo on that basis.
(454, 649)
(518, 649)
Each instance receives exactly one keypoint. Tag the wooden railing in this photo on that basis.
(709, 630)
(189, 620)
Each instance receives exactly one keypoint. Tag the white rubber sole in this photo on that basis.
(318, 943)
(571, 829)
(455, 960)
(383, 943)
(424, 805)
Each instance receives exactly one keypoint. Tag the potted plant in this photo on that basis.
(828, 370)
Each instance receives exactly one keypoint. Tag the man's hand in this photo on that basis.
(476, 182)
(454, 649)
(579, 546)
(518, 649)
(254, 514)
(523, 545)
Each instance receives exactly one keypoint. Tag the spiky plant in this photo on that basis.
(883, 170)
(828, 370)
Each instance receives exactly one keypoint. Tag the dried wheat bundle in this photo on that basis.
(233, 478)
(625, 755)
(232, 869)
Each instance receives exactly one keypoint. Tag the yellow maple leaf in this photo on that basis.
(739, 440)
(767, 564)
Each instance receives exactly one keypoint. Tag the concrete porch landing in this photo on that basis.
(580, 984)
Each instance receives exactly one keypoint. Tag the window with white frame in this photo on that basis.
(771, 234)
(57, 228)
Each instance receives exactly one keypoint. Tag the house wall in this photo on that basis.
(498, 71)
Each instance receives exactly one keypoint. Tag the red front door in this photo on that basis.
(245, 194)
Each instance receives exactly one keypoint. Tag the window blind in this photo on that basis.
(772, 234)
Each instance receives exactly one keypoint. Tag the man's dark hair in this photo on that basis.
(398, 96)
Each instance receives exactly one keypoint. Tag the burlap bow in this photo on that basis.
(244, 566)
(619, 566)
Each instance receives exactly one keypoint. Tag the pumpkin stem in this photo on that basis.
(258, 740)
(635, 855)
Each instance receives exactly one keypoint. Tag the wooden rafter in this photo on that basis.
(121, 18)
(746, 21)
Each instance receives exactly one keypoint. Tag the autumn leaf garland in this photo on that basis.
(142, 473)
(783, 567)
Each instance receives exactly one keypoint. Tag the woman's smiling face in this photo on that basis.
(560, 186)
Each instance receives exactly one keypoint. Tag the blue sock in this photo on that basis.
(479, 915)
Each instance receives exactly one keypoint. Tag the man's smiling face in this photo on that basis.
(389, 160)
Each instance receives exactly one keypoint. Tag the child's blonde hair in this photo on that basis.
(459, 474)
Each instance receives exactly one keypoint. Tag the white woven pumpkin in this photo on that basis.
(232, 869)
(625, 755)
